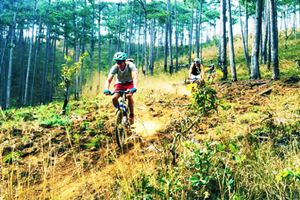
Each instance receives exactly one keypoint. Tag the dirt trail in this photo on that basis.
(151, 117)
(155, 107)
(154, 114)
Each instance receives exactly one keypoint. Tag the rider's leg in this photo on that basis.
(131, 108)
(115, 100)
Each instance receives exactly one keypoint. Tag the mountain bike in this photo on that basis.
(122, 126)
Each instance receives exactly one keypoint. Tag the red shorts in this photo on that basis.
(123, 86)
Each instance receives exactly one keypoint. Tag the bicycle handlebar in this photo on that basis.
(121, 92)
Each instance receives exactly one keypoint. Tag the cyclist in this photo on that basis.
(196, 71)
(126, 73)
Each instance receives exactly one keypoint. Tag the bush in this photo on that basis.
(204, 99)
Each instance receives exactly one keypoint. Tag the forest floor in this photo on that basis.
(47, 156)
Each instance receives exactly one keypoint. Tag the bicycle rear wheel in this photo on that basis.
(120, 129)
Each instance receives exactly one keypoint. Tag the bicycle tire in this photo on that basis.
(120, 130)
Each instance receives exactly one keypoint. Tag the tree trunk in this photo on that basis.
(111, 47)
(81, 71)
(21, 47)
(245, 48)
(2, 75)
(166, 48)
(119, 28)
(176, 38)
(285, 27)
(44, 89)
(265, 40)
(269, 47)
(145, 44)
(255, 73)
(53, 70)
(130, 29)
(99, 47)
(92, 41)
(139, 40)
(83, 47)
(247, 33)
(28, 66)
(170, 37)
(200, 29)
(231, 46)
(151, 50)
(37, 49)
(223, 40)
(274, 39)
(77, 74)
(160, 37)
(197, 22)
(295, 20)
(191, 38)
(10, 63)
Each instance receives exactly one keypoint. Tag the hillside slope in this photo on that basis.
(47, 156)
(248, 149)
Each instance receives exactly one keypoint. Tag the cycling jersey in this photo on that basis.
(196, 70)
(123, 76)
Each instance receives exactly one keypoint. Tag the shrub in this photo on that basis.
(204, 99)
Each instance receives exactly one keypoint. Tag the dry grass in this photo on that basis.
(106, 173)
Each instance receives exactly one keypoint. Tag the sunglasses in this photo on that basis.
(119, 61)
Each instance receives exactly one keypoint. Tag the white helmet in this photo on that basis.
(197, 60)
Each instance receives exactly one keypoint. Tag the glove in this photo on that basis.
(107, 92)
(132, 90)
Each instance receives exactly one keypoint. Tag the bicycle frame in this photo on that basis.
(123, 101)
(122, 125)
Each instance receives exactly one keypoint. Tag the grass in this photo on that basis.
(249, 149)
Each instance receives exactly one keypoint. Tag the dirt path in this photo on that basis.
(155, 107)
(151, 117)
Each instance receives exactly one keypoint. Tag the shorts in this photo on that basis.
(195, 77)
(123, 86)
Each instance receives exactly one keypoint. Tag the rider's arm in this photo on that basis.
(108, 81)
(135, 78)
(134, 74)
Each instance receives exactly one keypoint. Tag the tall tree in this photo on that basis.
(244, 39)
(144, 8)
(223, 39)
(169, 7)
(266, 33)
(231, 45)
(44, 89)
(176, 37)
(191, 37)
(151, 49)
(29, 57)
(166, 47)
(11, 51)
(274, 39)
(255, 72)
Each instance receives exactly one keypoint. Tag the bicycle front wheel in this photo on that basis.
(120, 129)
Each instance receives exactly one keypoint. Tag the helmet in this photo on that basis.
(197, 60)
(120, 56)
